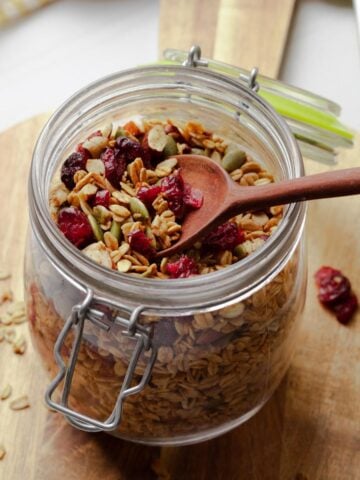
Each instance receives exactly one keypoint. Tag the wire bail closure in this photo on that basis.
(194, 60)
(89, 310)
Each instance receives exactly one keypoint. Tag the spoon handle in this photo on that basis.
(322, 185)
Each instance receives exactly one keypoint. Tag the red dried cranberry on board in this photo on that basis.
(182, 268)
(148, 194)
(76, 161)
(333, 286)
(75, 226)
(345, 309)
(335, 293)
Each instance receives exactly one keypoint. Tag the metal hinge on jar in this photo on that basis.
(92, 310)
(194, 60)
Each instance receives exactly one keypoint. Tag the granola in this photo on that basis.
(213, 369)
(121, 189)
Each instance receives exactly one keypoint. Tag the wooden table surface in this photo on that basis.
(310, 427)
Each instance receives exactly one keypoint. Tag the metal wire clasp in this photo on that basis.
(251, 79)
(194, 60)
(89, 310)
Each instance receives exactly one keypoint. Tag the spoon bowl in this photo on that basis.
(223, 198)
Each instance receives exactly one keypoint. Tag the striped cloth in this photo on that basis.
(12, 9)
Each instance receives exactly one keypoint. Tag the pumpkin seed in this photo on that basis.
(98, 233)
(115, 230)
(198, 151)
(120, 132)
(137, 206)
(150, 236)
(233, 159)
(170, 147)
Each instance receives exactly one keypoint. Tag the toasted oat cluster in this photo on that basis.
(120, 198)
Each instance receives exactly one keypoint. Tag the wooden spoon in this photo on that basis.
(223, 198)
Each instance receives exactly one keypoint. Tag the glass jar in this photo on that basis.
(154, 361)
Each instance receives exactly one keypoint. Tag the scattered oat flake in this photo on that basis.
(2, 451)
(5, 319)
(19, 345)
(5, 392)
(20, 403)
(10, 335)
(6, 296)
(4, 274)
(16, 307)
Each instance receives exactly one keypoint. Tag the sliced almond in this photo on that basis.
(157, 138)
(95, 165)
(16, 306)
(5, 392)
(95, 145)
(4, 274)
(124, 266)
(18, 318)
(10, 335)
(5, 319)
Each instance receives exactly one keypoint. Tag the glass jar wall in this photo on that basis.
(223, 340)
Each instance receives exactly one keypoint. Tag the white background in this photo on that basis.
(50, 54)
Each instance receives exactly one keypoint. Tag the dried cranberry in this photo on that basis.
(76, 161)
(335, 293)
(173, 189)
(333, 286)
(102, 197)
(174, 132)
(115, 166)
(128, 150)
(193, 197)
(141, 243)
(75, 226)
(84, 151)
(225, 237)
(182, 268)
(148, 194)
(345, 309)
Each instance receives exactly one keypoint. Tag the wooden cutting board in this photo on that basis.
(246, 33)
(309, 427)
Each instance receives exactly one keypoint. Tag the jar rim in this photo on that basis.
(203, 292)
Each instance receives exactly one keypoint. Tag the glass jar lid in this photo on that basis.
(314, 120)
